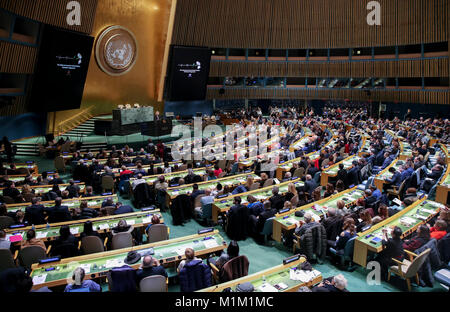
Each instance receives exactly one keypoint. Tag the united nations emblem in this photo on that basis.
(116, 50)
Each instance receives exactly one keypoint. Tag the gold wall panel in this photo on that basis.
(148, 21)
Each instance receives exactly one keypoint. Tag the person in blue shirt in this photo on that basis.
(196, 191)
(375, 192)
(255, 207)
(79, 282)
(394, 181)
(407, 172)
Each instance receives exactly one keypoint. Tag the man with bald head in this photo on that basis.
(149, 267)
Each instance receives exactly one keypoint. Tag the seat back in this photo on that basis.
(207, 211)
(417, 263)
(234, 268)
(91, 244)
(222, 164)
(6, 259)
(155, 283)
(349, 247)
(222, 174)
(59, 163)
(294, 201)
(107, 182)
(8, 200)
(299, 172)
(122, 240)
(197, 202)
(65, 250)
(110, 210)
(31, 254)
(268, 182)
(317, 177)
(157, 232)
(268, 226)
(5, 222)
(254, 186)
(21, 171)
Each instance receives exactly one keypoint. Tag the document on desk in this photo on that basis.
(210, 243)
(103, 226)
(179, 251)
(147, 220)
(39, 279)
(40, 235)
(86, 267)
(266, 287)
(75, 230)
(131, 222)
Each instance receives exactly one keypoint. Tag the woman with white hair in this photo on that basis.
(80, 283)
(336, 283)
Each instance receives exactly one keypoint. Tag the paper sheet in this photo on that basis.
(86, 267)
(131, 222)
(40, 279)
(103, 226)
(40, 235)
(179, 251)
(210, 243)
(147, 220)
(75, 231)
(266, 287)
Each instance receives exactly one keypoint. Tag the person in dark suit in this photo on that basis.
(120, 209)
(277, 200)
(310, 184)
(336, 283)
(257, 223)
(73, 189)
(58, 213)
(342, 174)
(369, 199)
(66, 238)
(237, 218)
(34, 214)
(392, 248)
(11, 191)
(149, 267)
(395, 180)
(354, 174)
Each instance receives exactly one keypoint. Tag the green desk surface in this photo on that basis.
(446, 182)
(318, 210)
(333, 170)
(47, 188)
(386, 174)
(418, 214)
(20, 178)
(71, 203)
(102, 263)
(278, 277)
(262, 194)
(233, 180)
(45, 233)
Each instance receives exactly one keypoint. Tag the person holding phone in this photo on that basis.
(392, 248)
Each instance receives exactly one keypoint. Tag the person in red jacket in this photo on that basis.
(439, 230)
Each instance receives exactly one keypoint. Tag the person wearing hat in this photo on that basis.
(79, 282)
(149, 267)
